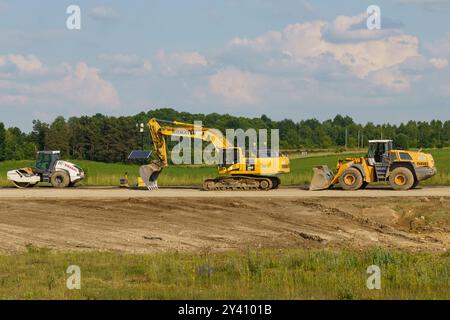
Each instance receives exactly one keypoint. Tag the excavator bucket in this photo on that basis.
(322, 179)
(149, 174)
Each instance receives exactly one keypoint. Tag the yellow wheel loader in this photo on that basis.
(236, 171)
(402, 169)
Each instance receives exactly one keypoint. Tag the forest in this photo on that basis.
(110, 139)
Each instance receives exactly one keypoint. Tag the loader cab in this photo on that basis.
(379, 151)
(46, 160)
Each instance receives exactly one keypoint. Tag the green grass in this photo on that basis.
(262, 274)
(103, 174)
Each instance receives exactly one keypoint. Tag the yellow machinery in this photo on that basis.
(403, 169)
(236, 171)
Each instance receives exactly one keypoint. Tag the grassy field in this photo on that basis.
(262, 274)
(301, 171)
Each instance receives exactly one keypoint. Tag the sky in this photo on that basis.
(292, 59)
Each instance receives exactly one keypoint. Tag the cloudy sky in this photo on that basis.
(284, 58)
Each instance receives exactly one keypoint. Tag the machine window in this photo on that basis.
(392, 156)
(43, 161)
(230, 157)
(405, 156)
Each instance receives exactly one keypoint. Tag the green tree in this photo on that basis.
(57, 137)
(17, 145)
(401, 141)
(39, 133)
(2, 142)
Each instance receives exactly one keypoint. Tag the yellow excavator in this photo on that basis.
(236, 171)
(403, 169)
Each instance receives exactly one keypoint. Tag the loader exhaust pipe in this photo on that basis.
(322, 179)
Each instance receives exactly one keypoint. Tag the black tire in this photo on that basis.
(60, 179)
(401, 178)
(416, 184)
(364, 185)
(351, 179)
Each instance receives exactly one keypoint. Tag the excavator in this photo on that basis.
(401, 168)
(236, 171)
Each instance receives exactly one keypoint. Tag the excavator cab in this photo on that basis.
(230, 157)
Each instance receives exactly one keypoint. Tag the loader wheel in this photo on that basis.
(351, 179)
(401, 179)
(60, 179)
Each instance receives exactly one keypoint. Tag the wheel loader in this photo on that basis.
(236, 170)
(49, 168)
(402, 169)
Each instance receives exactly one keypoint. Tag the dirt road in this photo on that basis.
(191, 220)
(296, 192)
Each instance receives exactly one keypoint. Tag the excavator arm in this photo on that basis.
(159, 130)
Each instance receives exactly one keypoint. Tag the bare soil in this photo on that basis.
(193, 221)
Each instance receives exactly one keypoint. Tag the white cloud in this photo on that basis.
(392, 79)
(303, 42)
(354, 29)
(14, 64)
(235, 86)
(103, 13)
(304, 65)
(439, 63)
(10, 100)
(81, 86)
(126, 64)
(439, 48)
(175, 62)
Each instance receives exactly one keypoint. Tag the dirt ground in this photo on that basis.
(190, 220)
(187, 192)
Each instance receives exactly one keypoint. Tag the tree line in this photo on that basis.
(110, 139)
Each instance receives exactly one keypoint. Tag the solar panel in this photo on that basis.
(139, 154)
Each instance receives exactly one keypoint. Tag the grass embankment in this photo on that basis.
(263, 274)
(103, 174)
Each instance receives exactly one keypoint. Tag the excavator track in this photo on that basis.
(241, 183)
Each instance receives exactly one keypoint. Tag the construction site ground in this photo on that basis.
(191, 220)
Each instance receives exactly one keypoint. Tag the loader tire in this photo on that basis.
(401, 179)
(351, 179)
(60, 179)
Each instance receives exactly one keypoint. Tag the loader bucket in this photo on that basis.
(149, 174)
(322, 179)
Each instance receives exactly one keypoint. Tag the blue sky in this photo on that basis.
(287, 59)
